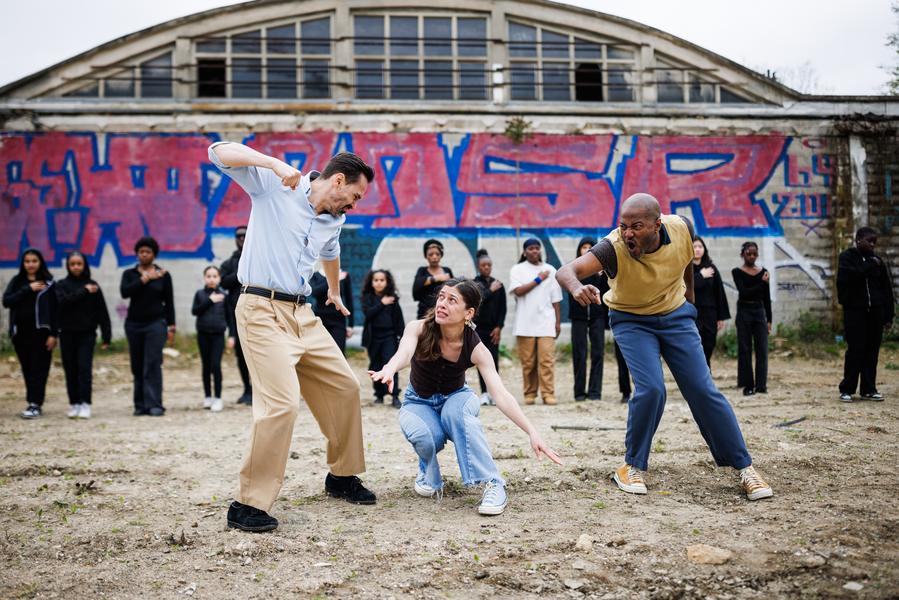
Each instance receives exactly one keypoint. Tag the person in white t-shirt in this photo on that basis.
(537, 321)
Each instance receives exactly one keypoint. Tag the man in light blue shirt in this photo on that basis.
(295, 221)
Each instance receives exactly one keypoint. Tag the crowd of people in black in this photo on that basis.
(44, 313)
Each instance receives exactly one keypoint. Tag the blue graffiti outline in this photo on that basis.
(107, 229)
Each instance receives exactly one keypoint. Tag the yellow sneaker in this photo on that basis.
(549, 400)
(629, 479)
(753, 484)
(530, 399)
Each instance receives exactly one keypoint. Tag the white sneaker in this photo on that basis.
(85, 412)
(207, 402)
(423, 489)
(485, 398)
(844, 397)
(494, 500)
(74, 411)
(217, 405)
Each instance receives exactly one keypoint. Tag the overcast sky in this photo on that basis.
(825, 46)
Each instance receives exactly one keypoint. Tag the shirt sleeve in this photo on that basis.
(331, 249)
(605, 254)
(555, 290)
(255, 181)
(515, 277)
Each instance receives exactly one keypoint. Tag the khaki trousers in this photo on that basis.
(538, 365)
(289, 352)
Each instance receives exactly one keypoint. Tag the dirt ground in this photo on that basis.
(125, 507)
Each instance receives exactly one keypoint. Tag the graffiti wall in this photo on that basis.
(99, 193)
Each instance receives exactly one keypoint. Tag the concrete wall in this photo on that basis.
(99, 192)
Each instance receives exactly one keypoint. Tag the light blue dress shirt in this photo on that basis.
(285, 237)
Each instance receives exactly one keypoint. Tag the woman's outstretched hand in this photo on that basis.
(540, 447)
(384, 376)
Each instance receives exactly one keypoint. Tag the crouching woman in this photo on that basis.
(439, 406)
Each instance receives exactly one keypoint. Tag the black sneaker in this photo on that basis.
(379, 400)
(761, 390)
(32, 412)
(396, 402)
(249, 518)
(349, 488)
(246, 399)
(875, 396)
(625, 398)
(748, 391)
(156, 411)
(580, 398)
(594, 398)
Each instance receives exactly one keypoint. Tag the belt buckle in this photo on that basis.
(271, 295)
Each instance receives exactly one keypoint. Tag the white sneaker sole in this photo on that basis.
(759, 494)
(492, 511)
(424, 491)
(849, 399)
(630, 488)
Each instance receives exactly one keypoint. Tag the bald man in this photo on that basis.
(648, 260)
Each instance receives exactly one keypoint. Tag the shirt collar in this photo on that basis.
(306, 182)
(663, 235)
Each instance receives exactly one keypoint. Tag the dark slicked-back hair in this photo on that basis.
(350, 165)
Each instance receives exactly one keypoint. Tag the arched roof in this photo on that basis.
(655, 49)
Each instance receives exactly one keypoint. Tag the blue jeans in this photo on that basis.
(429, 422)
(643, 338)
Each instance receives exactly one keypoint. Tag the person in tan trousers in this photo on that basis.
(295, 222)
(537, 321)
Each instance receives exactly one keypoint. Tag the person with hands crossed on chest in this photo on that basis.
(538, 321)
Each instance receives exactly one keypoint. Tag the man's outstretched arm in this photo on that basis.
(569, 277)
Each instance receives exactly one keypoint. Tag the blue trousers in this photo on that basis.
(429, 422)
(674, 337)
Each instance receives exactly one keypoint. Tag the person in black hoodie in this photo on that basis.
(212, 320)
(383, 328)
(81, 309)
(32, 326)
(232, 285)
(491, 316)
(865, 291)
(711, 302)
(340, 327)
(428, 279)
(753, 321)
(150, 322)
(587, 323)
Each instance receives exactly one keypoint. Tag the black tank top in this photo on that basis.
(442, 376)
